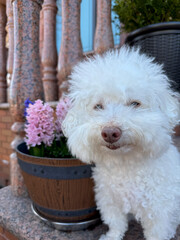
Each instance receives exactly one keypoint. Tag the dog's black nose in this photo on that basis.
(111, 134)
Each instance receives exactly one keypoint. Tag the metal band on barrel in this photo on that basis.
(58, 213)
(59, 173)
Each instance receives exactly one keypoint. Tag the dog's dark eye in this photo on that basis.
(98, 106)
(135, 104)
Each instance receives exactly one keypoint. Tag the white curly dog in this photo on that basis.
(122, 118)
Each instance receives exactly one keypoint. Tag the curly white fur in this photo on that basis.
(142, 176)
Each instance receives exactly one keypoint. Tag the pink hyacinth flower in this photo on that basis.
(40, 124)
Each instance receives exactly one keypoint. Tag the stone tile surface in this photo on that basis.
(16, 216)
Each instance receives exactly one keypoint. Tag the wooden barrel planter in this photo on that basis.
(162, 41)
(61, 189)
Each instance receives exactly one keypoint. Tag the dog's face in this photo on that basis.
(122, 104)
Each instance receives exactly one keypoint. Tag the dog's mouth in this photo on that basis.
(115, 147)
(112, 147)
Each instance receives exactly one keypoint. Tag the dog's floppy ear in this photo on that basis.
(69, 122)
(73, 117)
(170, 105)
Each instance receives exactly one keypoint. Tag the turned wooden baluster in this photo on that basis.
(26, 80)
(49, 52)
(10, 27)
(3, 85)
(71, 47)
(103, 36)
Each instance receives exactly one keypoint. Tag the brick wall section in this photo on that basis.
(6, 137)
(5, 235)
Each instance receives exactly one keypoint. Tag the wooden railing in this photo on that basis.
(32, 68)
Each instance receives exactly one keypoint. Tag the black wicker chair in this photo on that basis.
(162, 41)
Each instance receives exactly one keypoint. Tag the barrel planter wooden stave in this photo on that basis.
(60, 189)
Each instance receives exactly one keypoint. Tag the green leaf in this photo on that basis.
(139, 13)
(58, 149)
(37, 150)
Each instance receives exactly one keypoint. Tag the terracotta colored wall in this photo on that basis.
(6, 137)
(5, 235)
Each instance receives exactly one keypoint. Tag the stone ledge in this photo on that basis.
(17, 218)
